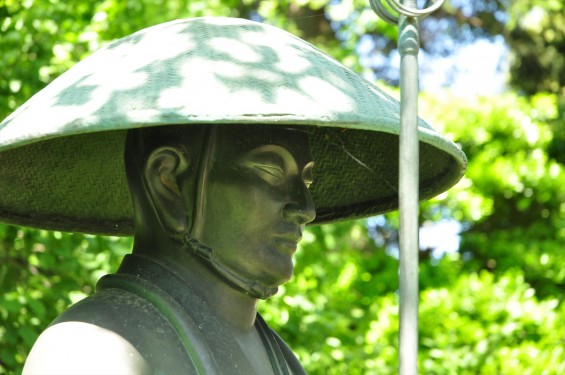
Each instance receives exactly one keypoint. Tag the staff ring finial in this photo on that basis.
(378, 6)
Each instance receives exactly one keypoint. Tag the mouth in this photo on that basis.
(288, 243)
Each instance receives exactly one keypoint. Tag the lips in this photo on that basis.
(287, 242)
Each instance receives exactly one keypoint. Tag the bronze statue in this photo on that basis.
(218, 214)
(234, 136)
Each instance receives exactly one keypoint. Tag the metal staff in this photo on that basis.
(408, 46)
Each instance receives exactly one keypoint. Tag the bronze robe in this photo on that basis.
(172, 328)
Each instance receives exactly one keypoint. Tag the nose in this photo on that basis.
(300, 207)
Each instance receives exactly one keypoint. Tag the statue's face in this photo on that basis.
(257, 202)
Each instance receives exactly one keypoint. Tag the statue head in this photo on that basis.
(239, 192)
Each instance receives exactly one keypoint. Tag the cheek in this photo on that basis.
(237, 213)
(251, 197)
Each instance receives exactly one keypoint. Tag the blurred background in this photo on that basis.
(492, 259)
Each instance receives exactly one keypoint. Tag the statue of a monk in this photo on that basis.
(218, 214)
(214, 141)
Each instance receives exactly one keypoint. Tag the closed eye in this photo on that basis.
(273, 174)
(270, 169)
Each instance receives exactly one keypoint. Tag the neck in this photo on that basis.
(230, 305)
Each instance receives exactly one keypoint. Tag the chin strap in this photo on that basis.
(250, 287)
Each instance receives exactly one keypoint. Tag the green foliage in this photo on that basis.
(340, 313)
(494, 307)
(537, 38)
(41, 274)
(511, 198)
(487, 324)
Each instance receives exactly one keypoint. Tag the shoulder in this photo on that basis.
(83, 348)
(113, 331)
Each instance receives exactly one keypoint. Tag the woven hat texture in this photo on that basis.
(61, 153)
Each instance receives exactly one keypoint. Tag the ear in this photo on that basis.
(162, 173)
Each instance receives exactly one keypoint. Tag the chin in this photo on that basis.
(282, 277)
(274, 268)
(286, 270)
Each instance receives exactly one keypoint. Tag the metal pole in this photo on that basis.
(408, 46)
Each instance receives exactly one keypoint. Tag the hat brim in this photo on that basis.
(61, 153)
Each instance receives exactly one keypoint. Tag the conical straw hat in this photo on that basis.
(61, 153)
